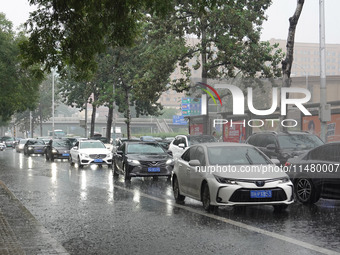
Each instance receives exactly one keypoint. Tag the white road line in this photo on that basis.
(239, 224)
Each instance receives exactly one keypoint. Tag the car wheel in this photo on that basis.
(280, 208)
(206, 199)
(306, 192)
(79, 163)
(70, 160)
(178, 197)
(127, 176)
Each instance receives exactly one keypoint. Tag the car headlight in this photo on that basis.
(30, 147)
(169, 161)
(225, 180)
(84, 155)
(284, 180)
(133, 162)
(110, 155)
(54, 151)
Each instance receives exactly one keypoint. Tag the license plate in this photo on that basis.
(98, 160)
(66, 154)
(260, 193)
(153, 169)
(39, 150)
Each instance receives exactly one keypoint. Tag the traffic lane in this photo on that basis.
(61, 196)
(315, 224)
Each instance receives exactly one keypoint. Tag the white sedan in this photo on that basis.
(229, 174)
(86, 152)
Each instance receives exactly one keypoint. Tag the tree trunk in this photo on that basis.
(93, 115)
(127, 114)
(40, 120)
(109, 122)
(288, 61)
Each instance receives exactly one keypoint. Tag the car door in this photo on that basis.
(175, 149)
(74, 151)
(183, 173)
(196, 174)
(119, 156)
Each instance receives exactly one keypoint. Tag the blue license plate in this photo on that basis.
(260, 193)
(39, 150)
(66, 154)
(97, 160)
(153, 169)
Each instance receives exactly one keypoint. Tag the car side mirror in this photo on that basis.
(181, 145)
(119, 152)
(194, 162)
(75, 148)
(169, 152)
(271, 147)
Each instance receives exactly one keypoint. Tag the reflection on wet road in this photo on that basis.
(90, 212)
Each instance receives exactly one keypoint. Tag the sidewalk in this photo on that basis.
(20, 232)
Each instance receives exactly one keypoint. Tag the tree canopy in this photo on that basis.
(19, 86)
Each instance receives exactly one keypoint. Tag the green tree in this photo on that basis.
(72, 32)
(19, 86)
(229, 39)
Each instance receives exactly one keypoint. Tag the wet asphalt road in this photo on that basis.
(90, 212)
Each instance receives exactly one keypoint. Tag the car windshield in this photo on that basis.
(200, 139)
(8, 139)
(299, 141)
(35, 142)
(144, 148)
(235, 155)
(61, 143)
(91, 145)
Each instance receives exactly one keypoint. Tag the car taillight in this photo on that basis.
(287, 164)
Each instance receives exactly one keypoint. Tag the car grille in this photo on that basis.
(153, 163)
(94, 156)
(243, 195)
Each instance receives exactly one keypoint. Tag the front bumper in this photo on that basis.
(145, 171)
(96, 161)
(239, 194)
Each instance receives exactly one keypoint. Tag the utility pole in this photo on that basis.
(325, 111)
(53, 135)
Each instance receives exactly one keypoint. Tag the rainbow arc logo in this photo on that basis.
(201, 84)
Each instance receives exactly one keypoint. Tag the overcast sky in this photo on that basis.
(276, 27)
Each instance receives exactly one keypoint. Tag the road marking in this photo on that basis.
(238, 224)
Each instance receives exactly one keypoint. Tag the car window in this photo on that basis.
(299, 141)
(186, 155)
(144, 148)
(182, 140)
(329, 152)
(268, 139)
(61, 143)
(35, 142)
(176, 141)
(199, 155)
(232, 155)
(201, 139)
(91, 145)
(253, 140)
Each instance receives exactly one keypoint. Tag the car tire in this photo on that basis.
(280, 208)
(206, 198)
(305, 191)
(178, 197)
(79, 163)
(127, 176)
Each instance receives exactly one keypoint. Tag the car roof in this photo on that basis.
(224, 144)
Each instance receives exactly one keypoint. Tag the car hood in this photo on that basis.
(94, 151)
(61, 148)
(248, 171)
(148, 157)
